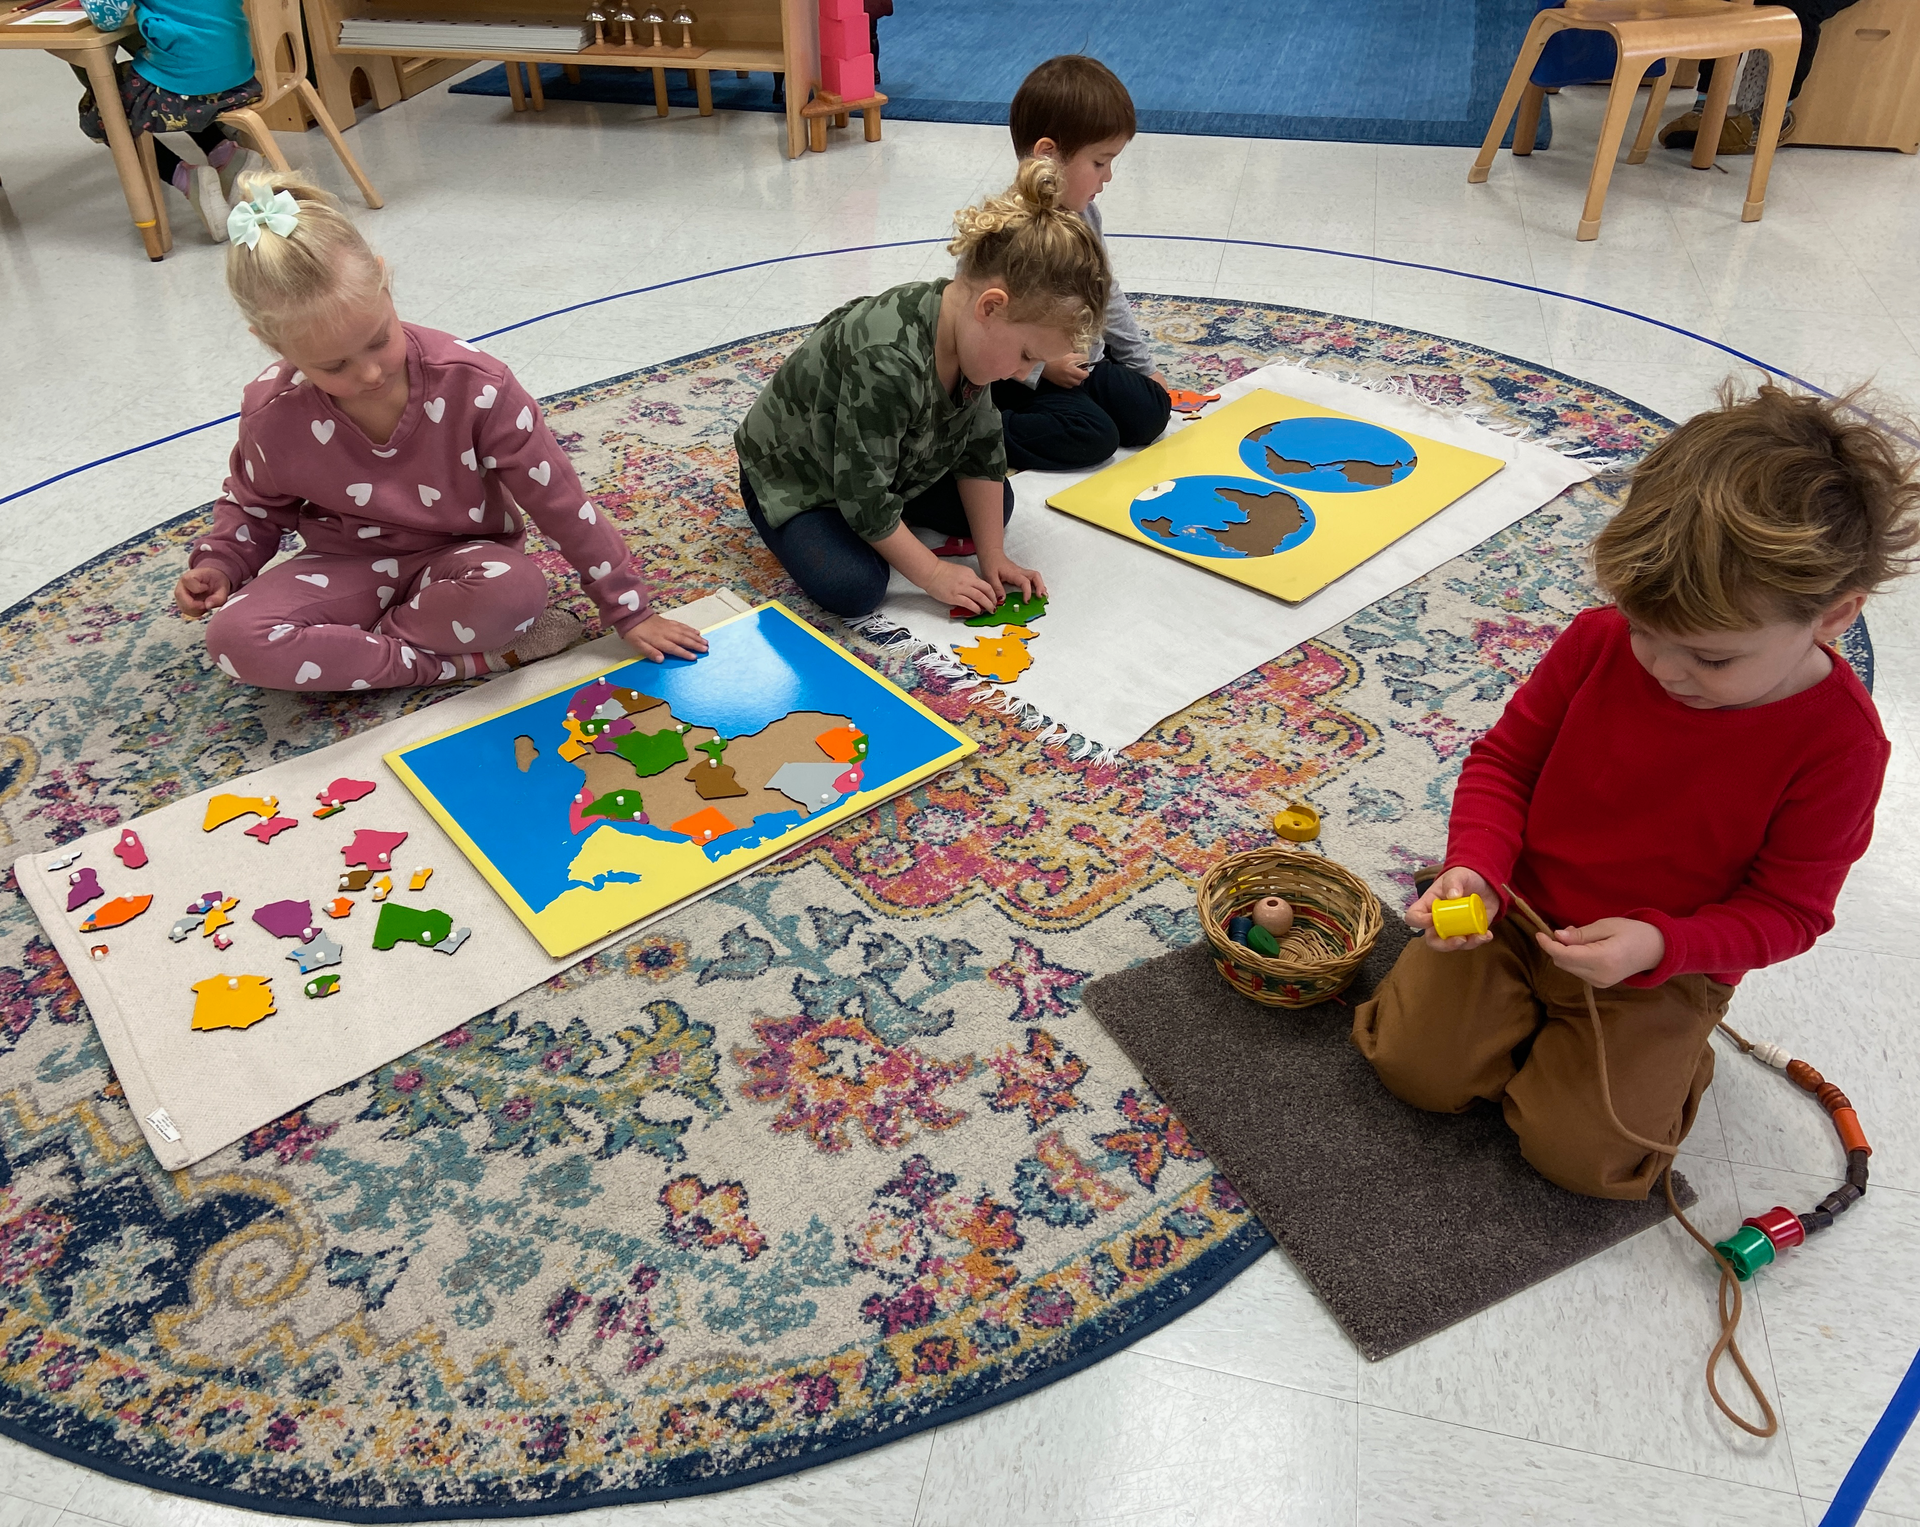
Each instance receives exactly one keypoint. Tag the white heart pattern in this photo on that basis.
(268, 375)
(470, 461)
(509, 520)
(488, 462)
(385, 594)
(249, 467)
(495, 569)
(428, 496)
(631, 599)
(368, 532)
(279, 631)
(406, 655)
(462, 634)
(446, 670)
(388, 565)
(541, 474)
(300, 376)
(322, 430)
(256, 512)
(308, 670)
(241, 533)
(487, 395)
(434, 409)
(475, 513)
(359, 683)
(235, 598)
(526, 624)
(226, 667)
(587, 514)
(599, 570)
(360, 492)
(525, 421)
(384, 454)
(318, 580)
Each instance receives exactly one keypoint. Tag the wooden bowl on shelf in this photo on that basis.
(1336, 921)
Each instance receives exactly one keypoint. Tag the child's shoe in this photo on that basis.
(243, 161)
(209, 199)
(552, 631)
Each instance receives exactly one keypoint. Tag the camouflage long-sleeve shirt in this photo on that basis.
(857, 417)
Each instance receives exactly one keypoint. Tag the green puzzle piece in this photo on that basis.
(713, 747)
(425, 926)
(652, 752)
(1013, 611)
(616, 806)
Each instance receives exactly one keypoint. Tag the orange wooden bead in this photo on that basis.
(1852, 1136)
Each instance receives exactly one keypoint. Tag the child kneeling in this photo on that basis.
(1679, 787)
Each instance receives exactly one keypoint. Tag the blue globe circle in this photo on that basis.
(1328, 455)
(1221, 517)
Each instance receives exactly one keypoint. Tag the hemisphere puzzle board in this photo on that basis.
(601, 803)
(1281, 495)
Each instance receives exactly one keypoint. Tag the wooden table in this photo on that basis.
(92, 51)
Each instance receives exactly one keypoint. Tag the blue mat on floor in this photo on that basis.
(1364, 71)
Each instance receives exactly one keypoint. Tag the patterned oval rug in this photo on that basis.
(834, 1156)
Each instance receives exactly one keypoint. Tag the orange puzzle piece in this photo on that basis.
(704, 826)
(232, 1002)
(338, 907)
(843, 744)
(122, 909)
(223, 809)
(1003, 657)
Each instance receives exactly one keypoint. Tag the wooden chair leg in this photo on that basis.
(703, 90)
(1650, 119)
(259, 138)
(514, 91)
(539, 90)
(1526, 126)
(870, 121)
(1772, 113)
(1613, 127)
(817, 134)
(157, 189)
(315, 105)
(1706, 144)
(1544, 26)
(572, 72)
(659, 92)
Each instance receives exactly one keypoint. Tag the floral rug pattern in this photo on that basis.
(833, 1155)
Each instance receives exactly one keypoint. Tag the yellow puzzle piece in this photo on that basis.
(232, 1002)
(217, 918)
(223, 809)
(578, 743)
(1003, 657)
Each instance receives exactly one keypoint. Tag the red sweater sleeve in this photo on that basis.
(1818, 831)
(1489, 814)
(515, 437)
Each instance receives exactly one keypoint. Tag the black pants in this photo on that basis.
(1062, 429)
(1811, 13)
(835, 568)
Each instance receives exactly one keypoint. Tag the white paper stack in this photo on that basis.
(500, 39)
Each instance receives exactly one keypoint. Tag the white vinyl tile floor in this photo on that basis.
(1578, 1402)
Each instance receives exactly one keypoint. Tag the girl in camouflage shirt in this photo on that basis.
(883, 419)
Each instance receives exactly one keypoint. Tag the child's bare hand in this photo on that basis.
(954, 583)
(201, 589)
(1607, 952)
(1458, 881)
(1002, 572)
(657, 637)
(1068, 370)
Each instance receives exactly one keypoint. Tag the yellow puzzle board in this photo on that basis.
(573, 875)
(1212, 484)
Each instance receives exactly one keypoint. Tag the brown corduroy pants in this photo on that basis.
(1504, 1023)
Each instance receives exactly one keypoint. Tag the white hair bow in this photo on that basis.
(280, 215)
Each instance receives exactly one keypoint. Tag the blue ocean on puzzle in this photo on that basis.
(1221, 516)
(756, 670)
(1329, 455)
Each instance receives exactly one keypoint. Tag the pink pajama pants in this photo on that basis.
(332, 621)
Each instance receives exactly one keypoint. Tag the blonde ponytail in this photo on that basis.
(1048, 259)
(282, 282)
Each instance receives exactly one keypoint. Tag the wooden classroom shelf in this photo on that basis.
(768, 36)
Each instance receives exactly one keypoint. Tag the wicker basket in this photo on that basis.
(1336, 920)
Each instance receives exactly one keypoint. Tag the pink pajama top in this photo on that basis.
(470, 452)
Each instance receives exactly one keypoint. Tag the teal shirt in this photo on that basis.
(857, 417)
(194, 47)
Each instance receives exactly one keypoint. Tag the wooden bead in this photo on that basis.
(1273, 914)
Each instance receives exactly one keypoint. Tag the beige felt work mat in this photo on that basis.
(194, 1092)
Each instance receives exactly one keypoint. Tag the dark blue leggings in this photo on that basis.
(1065, 429)
(835, 568)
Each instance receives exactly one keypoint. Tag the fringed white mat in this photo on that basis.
(1130, 636)
(194, 1092)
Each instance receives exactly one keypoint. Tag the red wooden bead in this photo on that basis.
(1781, 1226)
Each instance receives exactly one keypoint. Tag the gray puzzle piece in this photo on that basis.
(185, 928)
(810, 784)
(64, 860)
(316, 952)
(454, 940)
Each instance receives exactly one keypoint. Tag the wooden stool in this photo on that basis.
(1645, 31)
(533, 86)
(1864, 91)
(825, 104)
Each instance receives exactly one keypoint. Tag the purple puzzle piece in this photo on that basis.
(608, 741)
(589, 699)
(207, 902)
(85, 885)
(286, 919)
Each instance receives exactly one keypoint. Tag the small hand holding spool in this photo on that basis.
(1459, 917)
(1273, 914)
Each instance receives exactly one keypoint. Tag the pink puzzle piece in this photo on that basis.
(85, 885)
(849, 782)
(268, 830)
(130, 851)
(343, 790)
(373, 849)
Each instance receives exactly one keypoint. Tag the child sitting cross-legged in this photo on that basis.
(881, 421)
(409, 464)
(1679, 788)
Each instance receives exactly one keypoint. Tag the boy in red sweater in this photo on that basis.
(1679, 788)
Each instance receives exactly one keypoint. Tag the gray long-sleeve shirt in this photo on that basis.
(1122, 339)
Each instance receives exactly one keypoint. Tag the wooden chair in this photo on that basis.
(280, 62)
(1644, 32)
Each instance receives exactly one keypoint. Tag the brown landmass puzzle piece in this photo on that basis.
(715, 781)
(1271, 517)
(671, 797)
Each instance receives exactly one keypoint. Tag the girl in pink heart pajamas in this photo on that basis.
(409, 464)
